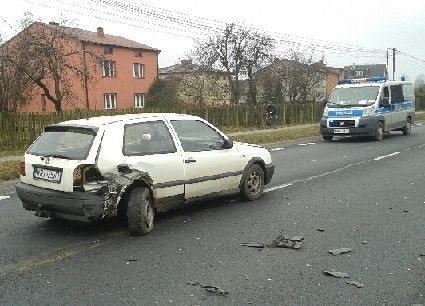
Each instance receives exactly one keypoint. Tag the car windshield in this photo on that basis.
(354, 96)
(64, 142)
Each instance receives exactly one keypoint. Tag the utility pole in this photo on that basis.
(394, 50)
(386, 73)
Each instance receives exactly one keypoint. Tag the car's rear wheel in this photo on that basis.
(379, 132)
(140, 212)
(407, 127)
(327, 137)
(253, 183)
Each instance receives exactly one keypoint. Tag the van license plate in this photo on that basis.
(49, 175)
(341, 131)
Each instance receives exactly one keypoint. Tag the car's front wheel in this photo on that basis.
(253, 183)
(140, 212)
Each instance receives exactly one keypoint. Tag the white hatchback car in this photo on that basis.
(135, 166)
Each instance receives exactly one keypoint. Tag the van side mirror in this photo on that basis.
(385, 101)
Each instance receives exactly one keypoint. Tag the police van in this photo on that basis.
(368, 107)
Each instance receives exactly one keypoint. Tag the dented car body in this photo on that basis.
(134, 166)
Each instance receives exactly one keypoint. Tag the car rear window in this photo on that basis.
(64, 142)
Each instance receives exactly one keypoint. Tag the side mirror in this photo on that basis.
(385, 101)
(228, 143)
(325, 101)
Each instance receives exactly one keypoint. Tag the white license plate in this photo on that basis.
(341, 131)
(47, 175)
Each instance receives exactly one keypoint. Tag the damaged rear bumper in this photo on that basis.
(75, 206)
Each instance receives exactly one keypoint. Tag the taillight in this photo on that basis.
(22, 168)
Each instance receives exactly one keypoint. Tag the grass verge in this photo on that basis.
(279, 136)
(9, 170)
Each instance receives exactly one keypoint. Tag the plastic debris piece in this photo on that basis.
(283, 241)
(336, 274)
(355, 283)
(320, 230)
(339, 251)
(405, 210)
(365, 242)
(253, 245)
(209, 288)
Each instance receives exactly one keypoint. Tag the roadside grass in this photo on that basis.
(420, 117)
(12, 153)
(9, 170)
(279, 136)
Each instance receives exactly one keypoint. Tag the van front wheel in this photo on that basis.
(379, 132)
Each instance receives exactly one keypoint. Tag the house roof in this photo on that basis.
(370, 70)
(186, 67)
(95, 38)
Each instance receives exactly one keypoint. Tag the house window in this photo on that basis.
(358, 73)
(110, 100)
(139, 100)
(138, 53)
(138, 70)
(108, 68)
(108, 50)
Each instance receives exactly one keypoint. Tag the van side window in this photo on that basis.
(396, 94)
(386, 93)
(408, 92)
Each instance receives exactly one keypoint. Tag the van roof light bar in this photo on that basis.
(363, 80)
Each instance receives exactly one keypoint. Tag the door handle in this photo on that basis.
(190, 160)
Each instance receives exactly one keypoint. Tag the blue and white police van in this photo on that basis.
(368, 107)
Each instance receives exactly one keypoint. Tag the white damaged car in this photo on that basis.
(135, 166)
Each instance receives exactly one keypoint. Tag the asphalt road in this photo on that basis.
(364, 195)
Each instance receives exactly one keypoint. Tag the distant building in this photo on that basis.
(291, 81)
(118, 80)
(365, 71)
(196, 85)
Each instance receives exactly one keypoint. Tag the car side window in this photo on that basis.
(197, 136)
(147, 138)
(396, 94)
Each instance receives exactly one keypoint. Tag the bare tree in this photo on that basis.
(420, 84)
(14, 85)
(54, 58)
(299, 77)
(238, 51)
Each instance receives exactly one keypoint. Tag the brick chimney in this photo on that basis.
(100, 32)
(54, 23)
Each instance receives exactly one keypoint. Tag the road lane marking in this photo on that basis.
(277, 187)
(4, 197)
(303, 144)
(277, 149)
(385, 156)
(311, 143)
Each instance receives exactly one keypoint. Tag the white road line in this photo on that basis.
(277, 149)
(311, 143)
(4, 197)
(385, 156)
(302, 144)
(277, 187)
(418, 124)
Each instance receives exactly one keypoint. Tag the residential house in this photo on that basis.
(365, 71)
(291, 81)
(113, 72)
(196, 85)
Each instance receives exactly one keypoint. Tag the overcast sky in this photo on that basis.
(343, 32)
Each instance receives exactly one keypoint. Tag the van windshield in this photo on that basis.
(354, 96)
(64, 142)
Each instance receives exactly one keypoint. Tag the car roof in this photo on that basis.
(105, 120)
(373, 84)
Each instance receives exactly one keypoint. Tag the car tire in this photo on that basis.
(407, 127)
(327, 138)
(253, 183)
(140, 212)
(379, 132)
